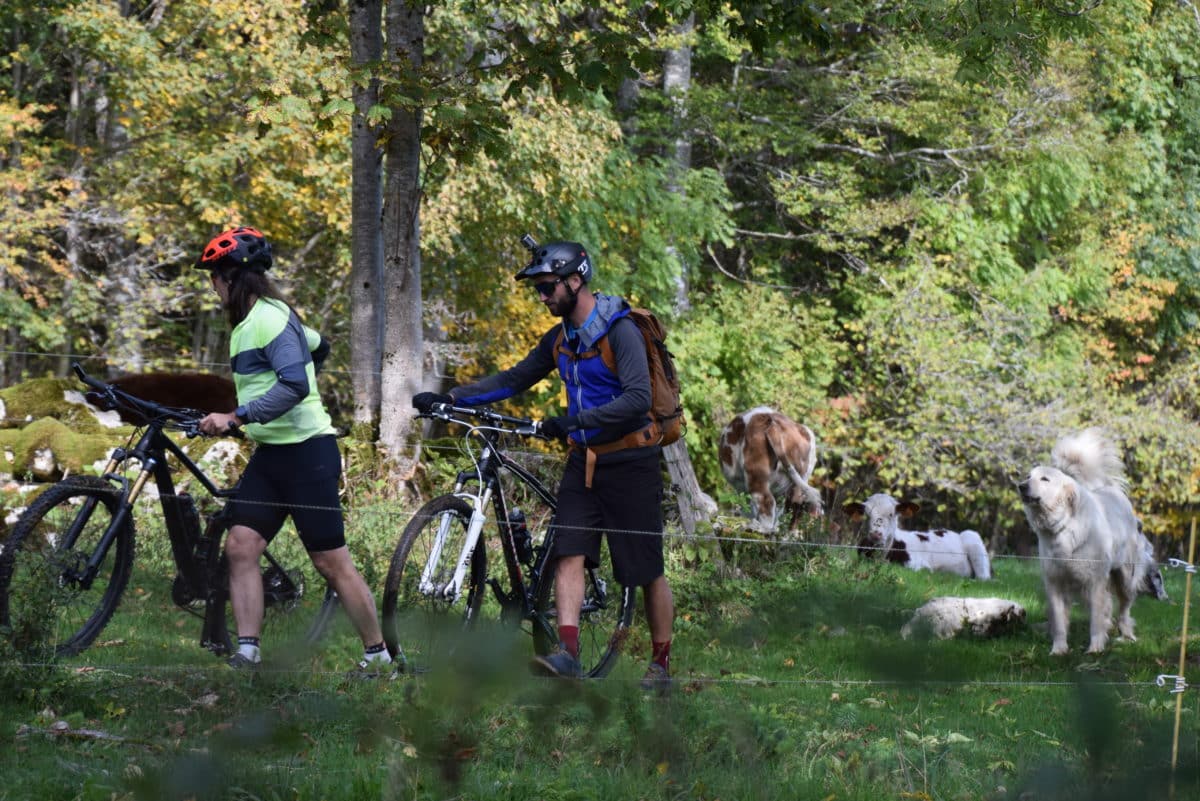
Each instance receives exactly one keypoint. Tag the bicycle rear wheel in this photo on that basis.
(295, 616)
(604, 618)
(422, 626)
(46, 607)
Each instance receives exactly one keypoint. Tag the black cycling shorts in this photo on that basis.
(625, 502)
(300, 480)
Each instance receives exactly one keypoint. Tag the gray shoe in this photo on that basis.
(558, 663)
(240, 661)
(656, 680)
(386, 671)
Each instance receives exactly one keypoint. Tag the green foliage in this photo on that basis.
(938, 233)
(613, 202)
(743, 347)
(790, 683)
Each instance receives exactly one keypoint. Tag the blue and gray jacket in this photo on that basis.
(606, 406)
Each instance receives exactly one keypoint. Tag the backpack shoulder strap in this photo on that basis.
(606, 354)
(601, 348)
(606, 351)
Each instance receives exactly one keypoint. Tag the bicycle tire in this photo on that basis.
(41, 613)
(604, 620)
(286, 626)
(418, 627)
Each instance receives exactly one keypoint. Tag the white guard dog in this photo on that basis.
(1088, 538)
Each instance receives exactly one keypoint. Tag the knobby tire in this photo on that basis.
(43, 612)
(418, 627)
(604, 620)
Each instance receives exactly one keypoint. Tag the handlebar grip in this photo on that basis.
(87, 379)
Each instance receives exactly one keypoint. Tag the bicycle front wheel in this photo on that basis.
(295, 615)
(421, 622)
(50, 604)
(604, 617)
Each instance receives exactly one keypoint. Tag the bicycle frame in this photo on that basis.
(521, 601)
(440, 566)
(486, 475)
(151, 452)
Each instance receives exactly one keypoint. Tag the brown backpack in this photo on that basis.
(666, 409)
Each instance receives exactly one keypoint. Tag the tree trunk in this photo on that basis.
(677, 80)
(695, 505)
(366, 272)
(403, 343)
(73, 126)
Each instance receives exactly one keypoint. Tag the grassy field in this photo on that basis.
(791, 682)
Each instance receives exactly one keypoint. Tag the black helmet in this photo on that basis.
(239, 247)
(560, 259)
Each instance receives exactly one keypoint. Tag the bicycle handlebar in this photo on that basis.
(113, 397)
(463, 415)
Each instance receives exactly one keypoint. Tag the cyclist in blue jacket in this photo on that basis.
(296, 465)
(606, 487)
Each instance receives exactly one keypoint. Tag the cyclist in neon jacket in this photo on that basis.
(296, 465)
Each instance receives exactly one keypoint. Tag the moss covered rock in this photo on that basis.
(48, 448)
(57, 398)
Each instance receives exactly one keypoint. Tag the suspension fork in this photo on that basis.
(124, 512)
(453, 589)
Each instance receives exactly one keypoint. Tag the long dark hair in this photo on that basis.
(246, 286)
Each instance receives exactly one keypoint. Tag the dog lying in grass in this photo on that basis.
(1088, 538)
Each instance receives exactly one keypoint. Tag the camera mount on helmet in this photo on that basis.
(559, 259)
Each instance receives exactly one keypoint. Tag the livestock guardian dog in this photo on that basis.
(1088, 538)
(960, 552)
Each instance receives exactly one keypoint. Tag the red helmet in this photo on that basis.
(239, 247)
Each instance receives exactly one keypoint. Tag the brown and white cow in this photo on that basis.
(765, 453)
(959, 552)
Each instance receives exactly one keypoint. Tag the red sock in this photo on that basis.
(661, 654)
(570, 639)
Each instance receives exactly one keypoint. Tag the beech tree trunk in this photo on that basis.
(403, 342)
(366, 201)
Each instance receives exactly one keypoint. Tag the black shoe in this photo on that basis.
(558, 663)
(656, 680)
(240, 661)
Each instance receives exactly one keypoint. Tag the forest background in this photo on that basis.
(941, 235)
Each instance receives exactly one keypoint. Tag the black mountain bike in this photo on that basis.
(69, 556)
(439, 575)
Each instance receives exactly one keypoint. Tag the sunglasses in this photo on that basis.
(546, 288)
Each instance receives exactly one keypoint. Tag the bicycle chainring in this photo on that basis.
(282, 588)
(181, 592)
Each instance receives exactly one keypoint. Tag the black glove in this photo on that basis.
(423, 401)
(558, 427)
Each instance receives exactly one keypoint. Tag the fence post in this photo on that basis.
(1183, 638)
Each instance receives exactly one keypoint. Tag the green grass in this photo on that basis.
(792, 682)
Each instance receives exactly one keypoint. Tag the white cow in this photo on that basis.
(959, 552)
